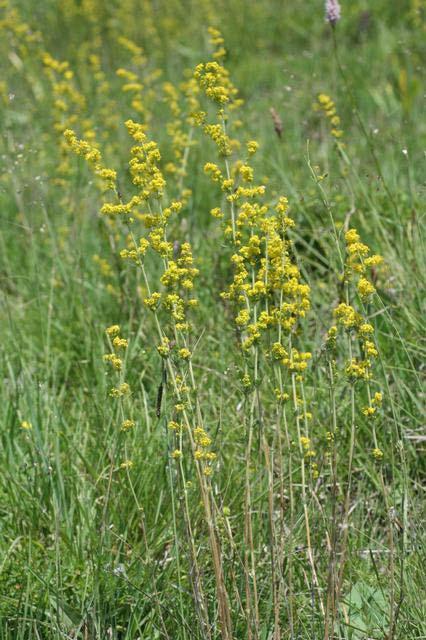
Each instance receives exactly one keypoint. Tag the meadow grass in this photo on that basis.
(294, 512)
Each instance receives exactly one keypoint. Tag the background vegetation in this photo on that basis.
(92, 547)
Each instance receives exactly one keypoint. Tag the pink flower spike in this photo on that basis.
(332, 11)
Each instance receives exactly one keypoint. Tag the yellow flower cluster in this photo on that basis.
(179, 270)
(93, 156)
(306, 444)
(83, 148)
(144, 164)
(347, 316)
(114, 360)
(178, 281)
(358, 261)
(352, 321)
(310, 454)
(357, 369)
(120, 391)
(21, 33)
(179, 273)
(116, 344)
(135, 251)
(267, 294)
(201, 444)
(113, 330)
(202, 451)
(132, 85)
(365, 288)
(264, 273)
(164, 347)
(177, 427)
(217, 41)
(69, 105)
(376, 403)
(216, 84)
(139, 86)
(327, 106)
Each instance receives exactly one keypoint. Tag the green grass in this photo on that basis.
(89, 550)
